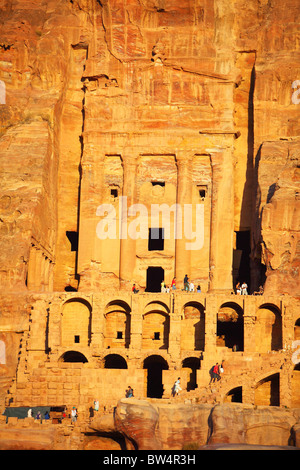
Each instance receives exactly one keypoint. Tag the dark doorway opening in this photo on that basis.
(155, 276)
(156, 239)
(192, 363)
(155, 365)
(230, 327)
(241, 259)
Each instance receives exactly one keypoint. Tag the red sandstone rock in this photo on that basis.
(137, 420)
(250, 425)
(204, 87)
(278, 180)
(178, 426)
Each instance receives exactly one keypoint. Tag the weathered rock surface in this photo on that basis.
(81, 77)
(26, 439)
(110, 97)
(277, 222)
(260, 426)
(170, 427)
(128, 422)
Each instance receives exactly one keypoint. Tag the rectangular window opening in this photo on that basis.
(119, 334)
(76, 339)
(202, 190)
(156, 239)
(157, 335)
(114, 192)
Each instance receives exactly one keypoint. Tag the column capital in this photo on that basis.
(184, 156)
(129, 153)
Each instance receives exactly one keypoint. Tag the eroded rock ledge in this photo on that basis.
(155, 426)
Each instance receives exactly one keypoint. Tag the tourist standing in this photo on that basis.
(244, 289)
(74, 415)
(96, 405)
(186, 283)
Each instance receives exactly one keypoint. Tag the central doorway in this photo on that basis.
(241, 259)
(155, 276)
(155, 365)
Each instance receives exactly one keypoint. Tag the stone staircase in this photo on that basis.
(211, 393)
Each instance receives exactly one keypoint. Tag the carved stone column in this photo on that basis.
(98, 324)
(127, 244)
(35, 272)
(249, 323)
(211, 312)
(31, 268)
(222, 221)
(91, 196)
(184, 196)
(175, 330)
(136, 325)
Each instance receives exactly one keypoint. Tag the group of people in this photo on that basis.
(129, 392)
(215, 372)
(47, 415)
(38, 415)
(189, 286)
(243, 289)
(164, 288)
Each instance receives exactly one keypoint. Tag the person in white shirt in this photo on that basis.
(73, 415)
(244, 289)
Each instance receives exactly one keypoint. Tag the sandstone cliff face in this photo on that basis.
(75, 70)
(277, 221)
(88, 86)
